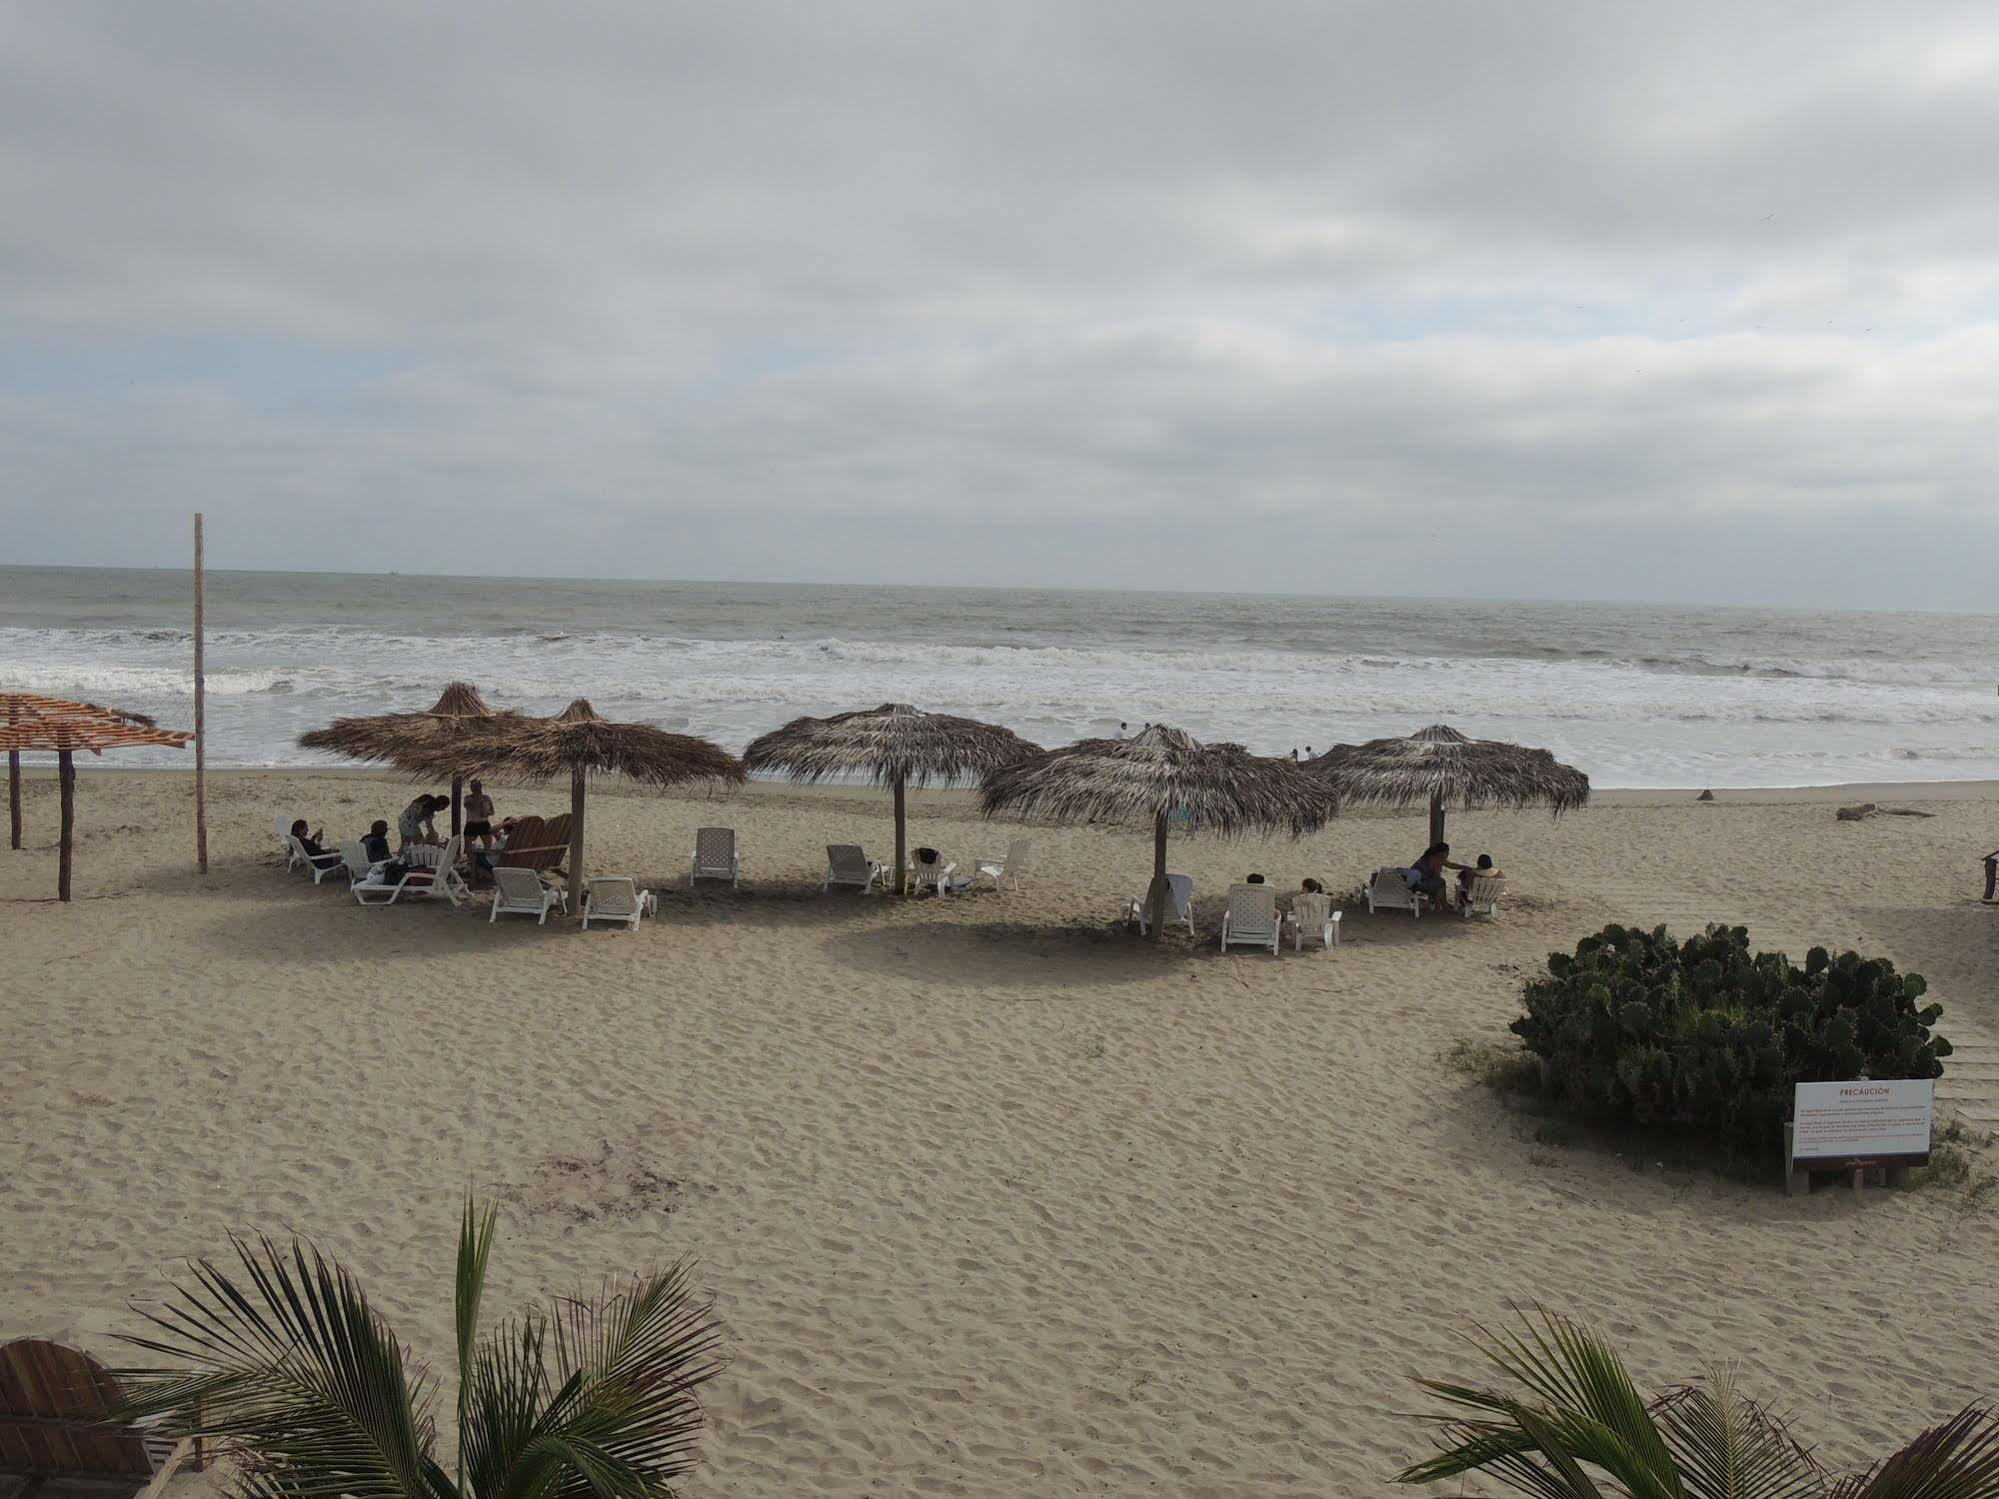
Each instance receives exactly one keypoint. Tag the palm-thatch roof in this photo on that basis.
(407, 740)
(894, 742)
(578, 743)
(893, 746)
(1146, 780)
(32, 722)
(1440, 766)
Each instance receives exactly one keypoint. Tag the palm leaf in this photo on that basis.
(297, 1371)
(1727, 1447)
(1956, 1460)
(475, 1247)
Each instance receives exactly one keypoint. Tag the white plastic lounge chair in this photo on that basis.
(284, 831)
(1388, 891)
(616, 898)
(1483, 895)
(520, 892)
(1251, 919)
(847, 865)
(938, 873)
(999, 871)
(1313, 914)
(430, 873)
(318, 867)
(355, 862)
(1179, 905)
(715, 856)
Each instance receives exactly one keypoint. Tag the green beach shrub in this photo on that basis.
(1703, 1039)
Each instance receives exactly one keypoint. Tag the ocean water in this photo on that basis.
(1635, 696)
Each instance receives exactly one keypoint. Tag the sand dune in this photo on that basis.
(995, 1200)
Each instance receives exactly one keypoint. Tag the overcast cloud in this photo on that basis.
(1683, 302)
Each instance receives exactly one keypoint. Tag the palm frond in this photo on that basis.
(1958, 1459)
(296, 1370)
(1728, 1447)
(475, 1247)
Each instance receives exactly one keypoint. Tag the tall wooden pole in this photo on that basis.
(1436, 820)
(576, 843)
(1158, 892)
(200, 716)
(14, 795)
(901, 836)
(66, 779)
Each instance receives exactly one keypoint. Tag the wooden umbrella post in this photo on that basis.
(1436, 820)
(200, 716)
(1157, 895)
(576, 842)
(66, 780)
(901, 836)
(457, 803)
(14, 796)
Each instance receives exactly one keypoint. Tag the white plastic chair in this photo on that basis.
(1001, 870)
(1251, 919)
(520, 892)
(429, 873)
(1314, 914)
(1482, 896)
(937, 873)
(1179, 904)
(318, 867)
(616, 898)
(1388, 891)
(283, 828)
(847, 865)
(715, 856)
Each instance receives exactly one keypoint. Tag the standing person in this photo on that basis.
(418, 822)
(478, 815)
(1121, 728)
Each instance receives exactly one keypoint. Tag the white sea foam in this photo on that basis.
(1635, 697)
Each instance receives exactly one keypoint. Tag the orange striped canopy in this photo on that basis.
(28, 722)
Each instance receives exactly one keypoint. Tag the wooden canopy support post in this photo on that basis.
(457, 804)
(901, 835)
(1156, 896)
(1436, 820)
(66, 777)
(14, 800)
(576, 842)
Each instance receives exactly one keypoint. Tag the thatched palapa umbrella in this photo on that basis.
(28, 722)
(894, 745)
(1443, 767)
(407, 740)
(579, 742)
(1144, 780)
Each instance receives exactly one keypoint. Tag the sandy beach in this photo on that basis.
(994, 1199)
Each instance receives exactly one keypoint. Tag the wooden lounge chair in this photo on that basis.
(534, 843)
(1388, 891)
(999, 871)
(847, 865)
(54, 1424)
(1179, 905)
(1482, 895)
(1313, 914)
(715, 856)
(615, 898)
(1251, 919)
(520, 892)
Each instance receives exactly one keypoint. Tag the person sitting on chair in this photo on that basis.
(1426, 875)
(1483, 869)
(309, 841)
(375, 842)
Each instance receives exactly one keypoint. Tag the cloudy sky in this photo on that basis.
(1688, 302)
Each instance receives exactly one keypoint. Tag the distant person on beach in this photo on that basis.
(1121, 728)
(1426, 875)
(375, 842)
(1294, 754)
(418, 823)
(1484, 869)
(309, 841)
(478, 815)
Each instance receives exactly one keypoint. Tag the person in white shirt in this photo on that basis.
(1122, 726)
